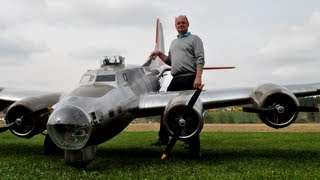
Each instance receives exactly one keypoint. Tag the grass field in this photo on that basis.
(226, 155)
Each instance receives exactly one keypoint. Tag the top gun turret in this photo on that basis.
(116, 60)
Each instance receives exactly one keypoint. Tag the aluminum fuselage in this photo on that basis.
(111, 105)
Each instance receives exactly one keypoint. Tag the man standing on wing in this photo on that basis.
(186, 58)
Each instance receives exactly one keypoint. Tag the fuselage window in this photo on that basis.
(86, 78)
(109, 77)
(125, 77)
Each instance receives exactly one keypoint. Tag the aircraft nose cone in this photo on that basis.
(69, 127)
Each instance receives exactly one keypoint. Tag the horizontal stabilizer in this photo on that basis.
(218, 67)
(205, 68)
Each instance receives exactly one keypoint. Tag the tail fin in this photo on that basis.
(159, 46)
(159, 37)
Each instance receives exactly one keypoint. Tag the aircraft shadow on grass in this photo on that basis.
(113, 158)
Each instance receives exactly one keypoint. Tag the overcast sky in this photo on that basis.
(48, 45)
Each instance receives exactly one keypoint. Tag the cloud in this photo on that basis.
(95, 13)
(295, 44)
(77, 34)
(2, 26)
(102, 13)
(18, 50)
(16, 11)
(92, 54)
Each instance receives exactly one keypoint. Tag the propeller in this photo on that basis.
(279, 109)
(32, 115)
(182, 122)
(8, 126)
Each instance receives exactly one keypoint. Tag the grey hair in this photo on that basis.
(183, 16)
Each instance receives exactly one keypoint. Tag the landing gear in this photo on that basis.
(50, 147)
(80, 158)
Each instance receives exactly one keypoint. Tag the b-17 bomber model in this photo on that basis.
(107, 99)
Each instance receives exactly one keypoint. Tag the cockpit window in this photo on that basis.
(86, 78)
(109, 78)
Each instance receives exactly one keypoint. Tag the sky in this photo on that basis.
(49, 44)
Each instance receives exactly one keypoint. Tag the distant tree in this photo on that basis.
(311, 101)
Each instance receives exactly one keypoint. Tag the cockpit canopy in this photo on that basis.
(89, 78)
(95, 85)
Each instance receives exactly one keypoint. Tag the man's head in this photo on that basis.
(182, 24)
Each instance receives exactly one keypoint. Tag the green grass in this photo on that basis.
(237, 117)
(130, 156)
(231, 117)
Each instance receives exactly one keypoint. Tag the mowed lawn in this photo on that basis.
(226, 155)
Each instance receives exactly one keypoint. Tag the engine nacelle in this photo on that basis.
(182, 121)
(278, 98)
(28, 127)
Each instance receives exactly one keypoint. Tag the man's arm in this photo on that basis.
(198, 81)
(159, 54)
(199, 53)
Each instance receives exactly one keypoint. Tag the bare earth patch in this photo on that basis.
(227, 127)
(233, 128)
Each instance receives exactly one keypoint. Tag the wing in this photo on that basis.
(155, 103)
(26, 111)
(301, 90)
(182, 111)
(9, 96)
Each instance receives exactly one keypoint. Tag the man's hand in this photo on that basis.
(154, 54)
(159, 54)
(197, 83)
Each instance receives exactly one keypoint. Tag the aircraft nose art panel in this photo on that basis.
(69, 127)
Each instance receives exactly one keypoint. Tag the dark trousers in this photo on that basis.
(179, 84)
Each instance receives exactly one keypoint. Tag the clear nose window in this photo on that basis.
(69, 127)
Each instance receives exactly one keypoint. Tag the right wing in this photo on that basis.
(26, 112)
(9, 96)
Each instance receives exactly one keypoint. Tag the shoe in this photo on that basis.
(160, 142)
(194, 150)
(195, 155)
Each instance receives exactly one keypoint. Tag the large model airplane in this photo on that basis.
(109, 98)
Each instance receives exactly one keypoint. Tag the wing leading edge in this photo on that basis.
(9, 96)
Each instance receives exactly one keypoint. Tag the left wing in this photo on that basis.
(156, 102)
(301, 90)
(183, 111)
(277, 105)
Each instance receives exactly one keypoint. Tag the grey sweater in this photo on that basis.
(186, 54)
